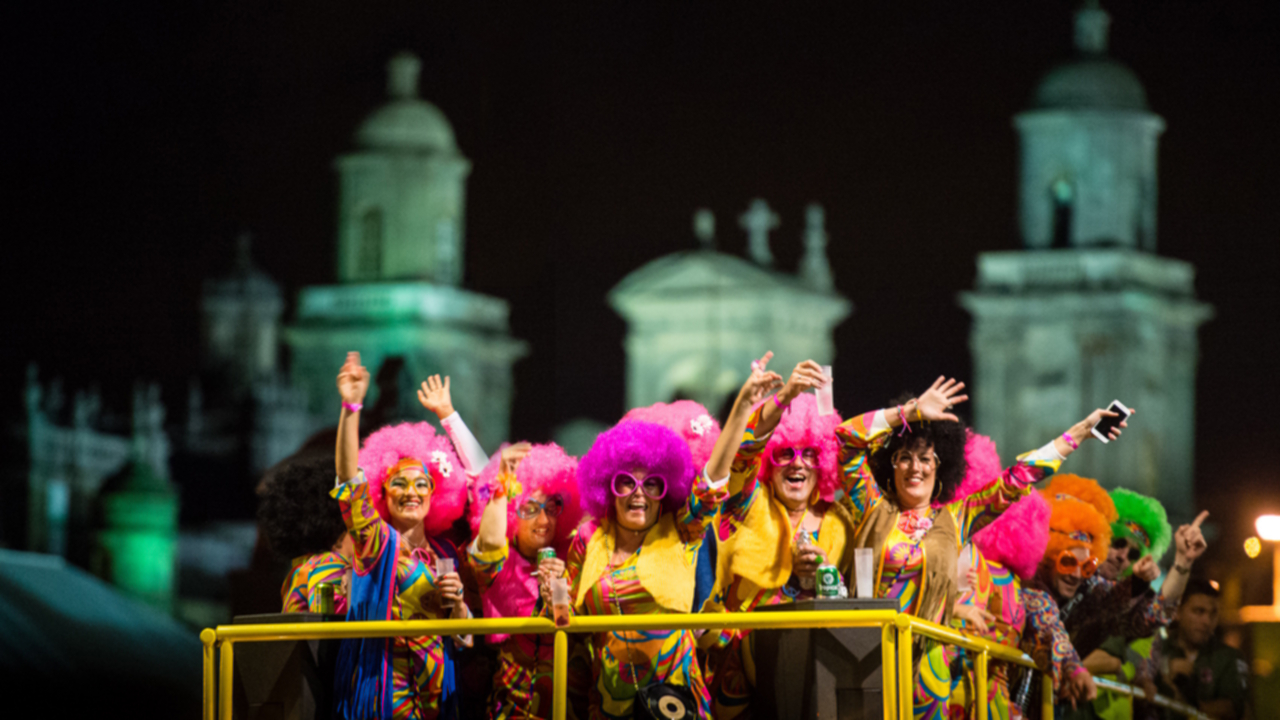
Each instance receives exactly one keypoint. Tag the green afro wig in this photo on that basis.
(1143, 520)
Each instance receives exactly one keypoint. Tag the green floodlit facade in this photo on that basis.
(1087, 313)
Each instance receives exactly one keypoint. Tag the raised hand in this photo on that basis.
(434, 396)
(353, 380)
(760, 382)
(1146, 569)
(806, 376)
(1190, 540)
(936, 402)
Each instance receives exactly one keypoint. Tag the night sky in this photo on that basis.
(146, 135)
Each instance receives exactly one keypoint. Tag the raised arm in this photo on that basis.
(758, 386)
(492, 534)
(436, 397)
(1190, 544)
(353, 384)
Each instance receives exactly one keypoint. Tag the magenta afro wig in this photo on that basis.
(1018, 538)
(629, 445)
(802, 427)
(389, 445)
(983, 465)
(547, 468)
(689, 420)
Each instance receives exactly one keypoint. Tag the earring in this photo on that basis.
(937, 489)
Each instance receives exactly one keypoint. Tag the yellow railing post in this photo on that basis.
(888, 657)
(225, 679)
(208, 637)
(980, 692)
(905, 671)
(560, 678)
(1046, 697)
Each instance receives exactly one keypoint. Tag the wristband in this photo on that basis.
(1070, 441)
(919, 417)
(353, 407)
(1184, 569)
(906, 426)
(780, 405)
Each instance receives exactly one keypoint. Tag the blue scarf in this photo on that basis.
(362, 681)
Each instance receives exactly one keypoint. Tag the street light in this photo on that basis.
(1268, 527)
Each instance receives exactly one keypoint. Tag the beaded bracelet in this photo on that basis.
(1066, 436)
(353, 407)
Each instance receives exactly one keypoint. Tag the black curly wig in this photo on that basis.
(297, 515)
(947, 438)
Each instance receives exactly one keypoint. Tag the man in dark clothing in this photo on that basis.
(1205, 672)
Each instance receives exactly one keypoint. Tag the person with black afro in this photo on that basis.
(902, 466)
(303, 524)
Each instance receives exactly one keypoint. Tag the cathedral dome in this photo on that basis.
(1096, 82)
(1091, 79)
(407, 122)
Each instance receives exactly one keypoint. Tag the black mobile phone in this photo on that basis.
(1104, 427)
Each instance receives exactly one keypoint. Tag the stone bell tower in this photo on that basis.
(1087, 312)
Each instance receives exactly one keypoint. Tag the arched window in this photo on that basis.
(369, 259)
(1064, 196)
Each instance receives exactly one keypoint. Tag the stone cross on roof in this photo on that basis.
(704, 228)
(758, 221)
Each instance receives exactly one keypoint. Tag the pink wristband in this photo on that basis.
(906, 426)
(1066, 437)
(353, 407)
(780, 405)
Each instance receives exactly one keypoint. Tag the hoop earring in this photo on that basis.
(937, 489)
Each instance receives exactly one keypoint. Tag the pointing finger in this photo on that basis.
(1200, 519)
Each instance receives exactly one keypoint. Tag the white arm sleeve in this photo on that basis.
(472, 455)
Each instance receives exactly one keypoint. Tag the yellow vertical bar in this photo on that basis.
(888, 660)
(560, 678)
(207, 700)
(981, 681)
(905, 674)
(1046, 698)
(225, 681)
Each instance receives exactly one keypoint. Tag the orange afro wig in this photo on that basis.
(1075, 523)
(1084, 489)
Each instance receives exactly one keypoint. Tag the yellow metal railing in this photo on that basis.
(897, 631)
(1137, 692)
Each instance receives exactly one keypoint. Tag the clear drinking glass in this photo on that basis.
(864, 570)
(560, 601)
(826, 402)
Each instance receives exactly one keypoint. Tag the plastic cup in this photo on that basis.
(560, 601)
(864, 570)
(444, 566)
(963, 563)
(798, 546)
(826, 401)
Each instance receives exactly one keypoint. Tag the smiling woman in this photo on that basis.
(406, 488)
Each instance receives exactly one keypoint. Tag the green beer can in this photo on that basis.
(828, 581)
(327, 604)
(546, 553)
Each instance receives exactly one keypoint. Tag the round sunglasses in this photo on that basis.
(1068, 563)
(1121, 543)
(625, 485)
(529, 509)
(786, 455)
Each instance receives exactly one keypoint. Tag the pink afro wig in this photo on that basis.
(631, 445)
(1018, 538)
(802, 427)
(983, 465)
(690, 420)
(389, 445)
(547, 468)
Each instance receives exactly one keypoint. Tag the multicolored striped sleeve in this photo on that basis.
(293, 593)
(744, 486)
(860, 436)
(368, 531)
(487, 565)
(328, 567)
(983, 506)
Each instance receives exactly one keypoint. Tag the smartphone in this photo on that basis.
(1103, 428)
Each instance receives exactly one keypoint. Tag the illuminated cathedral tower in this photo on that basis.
(1087, 312)
(400, 261)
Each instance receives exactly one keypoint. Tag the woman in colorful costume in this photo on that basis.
(994, 566)
(779, 521)
(902, 477)
(413, 493)
(526, 502)
(636, 556)
(304, 525)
